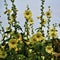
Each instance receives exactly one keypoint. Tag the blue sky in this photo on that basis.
(34, 7)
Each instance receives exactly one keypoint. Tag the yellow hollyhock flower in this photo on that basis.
(12, 17)
(19, 38)
(44, 21)
(33, 39)
(10, 21)
(27, 14)
(49, 49)
(12, 43)
(38, 36)
(38, 17)
(53, 34)
(48, 13)
(8, 11)
(43, 39)
(52, 30)
(3, 54)
(31, 21)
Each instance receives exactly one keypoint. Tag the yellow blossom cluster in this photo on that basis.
(53, 32)
(28, 16)
(38, 37)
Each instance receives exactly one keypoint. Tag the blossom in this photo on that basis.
(12, 43)
(27, 14)
(33, 38)
(19, 38)
(44, 21)
(38, 17)
(8, 11)
(43, 39)
(53, 34)
(31, 21)
(48, 13)
(10, 21)
(52, 30)
(38, 36)
(3, 54)
(49, 49)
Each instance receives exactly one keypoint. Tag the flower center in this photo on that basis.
(48, 13)
(49, 48)
(27, 13)
(13, 42)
